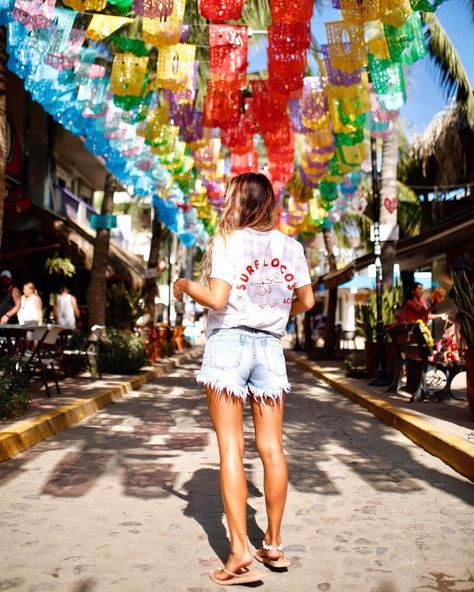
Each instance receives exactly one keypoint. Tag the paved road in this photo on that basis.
(128, 501)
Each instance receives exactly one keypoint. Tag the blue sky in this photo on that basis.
(425, 98)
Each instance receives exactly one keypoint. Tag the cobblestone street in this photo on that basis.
(129, 501)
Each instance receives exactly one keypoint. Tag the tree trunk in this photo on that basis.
(97, 292)
(151, 288)
(389, 202)
(330, 324)
(3, 124)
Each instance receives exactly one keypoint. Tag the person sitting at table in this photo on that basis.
(31, 307)
(10, 298)
(66, 311)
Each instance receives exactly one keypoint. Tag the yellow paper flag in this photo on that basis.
(102, 25)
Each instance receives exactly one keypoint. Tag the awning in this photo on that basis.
(341, 276)
(453, 233)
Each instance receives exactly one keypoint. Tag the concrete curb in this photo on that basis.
(450, 448)
(31, 432)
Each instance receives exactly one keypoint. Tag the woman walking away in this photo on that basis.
(254, 278)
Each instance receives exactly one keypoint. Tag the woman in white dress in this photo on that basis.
(31, 307)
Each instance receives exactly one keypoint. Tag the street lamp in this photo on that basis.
(380, 377)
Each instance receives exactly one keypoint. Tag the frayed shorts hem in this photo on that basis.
(262, 395)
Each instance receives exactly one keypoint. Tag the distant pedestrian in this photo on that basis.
(10, 298)
(31, 308)
(66, 311)
(255, 277)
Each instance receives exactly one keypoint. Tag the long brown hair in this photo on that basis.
(249, 203)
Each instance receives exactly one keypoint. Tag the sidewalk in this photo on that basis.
(445, 429)
(80, 397)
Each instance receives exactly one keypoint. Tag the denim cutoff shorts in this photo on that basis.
(244, 361)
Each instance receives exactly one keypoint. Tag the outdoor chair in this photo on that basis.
(90, 350)
(348, 340)
(43, 353)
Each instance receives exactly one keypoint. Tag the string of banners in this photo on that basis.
(128, 84)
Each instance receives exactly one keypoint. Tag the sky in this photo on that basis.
(424, 97)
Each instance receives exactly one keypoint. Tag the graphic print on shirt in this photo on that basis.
(263, 289)
(261, 282)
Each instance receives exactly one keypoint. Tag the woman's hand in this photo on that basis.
(179, 288)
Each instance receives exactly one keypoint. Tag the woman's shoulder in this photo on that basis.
(288, 240)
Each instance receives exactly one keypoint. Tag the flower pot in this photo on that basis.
(469, 359)
(371, 358)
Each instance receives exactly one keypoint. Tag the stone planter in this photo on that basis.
(469, 358)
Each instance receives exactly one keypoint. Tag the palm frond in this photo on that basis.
(451, 74)
(441, 140)
(470, 7)
(408, 211)
(257, 16)
(353, 226)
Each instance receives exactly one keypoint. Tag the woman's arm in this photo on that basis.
(77, 312)
(213, 296)
(304, 300)
(39, 308)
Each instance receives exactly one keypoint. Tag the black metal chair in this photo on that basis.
(43, 353)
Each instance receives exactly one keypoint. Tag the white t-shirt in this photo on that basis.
(263, 269)
(65, 311)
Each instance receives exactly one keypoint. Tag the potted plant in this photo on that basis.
(366, 322)
(463, 295)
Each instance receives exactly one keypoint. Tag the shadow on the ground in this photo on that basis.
(143, 436)
(204, 504)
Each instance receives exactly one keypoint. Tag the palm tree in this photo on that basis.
(330, 324)
(3, 123)
(388, 198)
(97, 290)
(451, 74)
(444, 151)
(151, 289)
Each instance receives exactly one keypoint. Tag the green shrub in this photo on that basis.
(366, 312)
(121, 353)
(124, 307)
(14, 393)
(354, 366)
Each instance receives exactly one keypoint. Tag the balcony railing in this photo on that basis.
(71, 206)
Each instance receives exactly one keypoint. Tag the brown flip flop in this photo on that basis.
(245, 576)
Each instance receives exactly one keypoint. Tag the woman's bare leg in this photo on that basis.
(268, 422)
(226, 415)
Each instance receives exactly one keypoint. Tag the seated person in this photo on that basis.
(416, 308)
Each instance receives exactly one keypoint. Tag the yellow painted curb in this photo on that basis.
(455, 451)
(31, 432)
